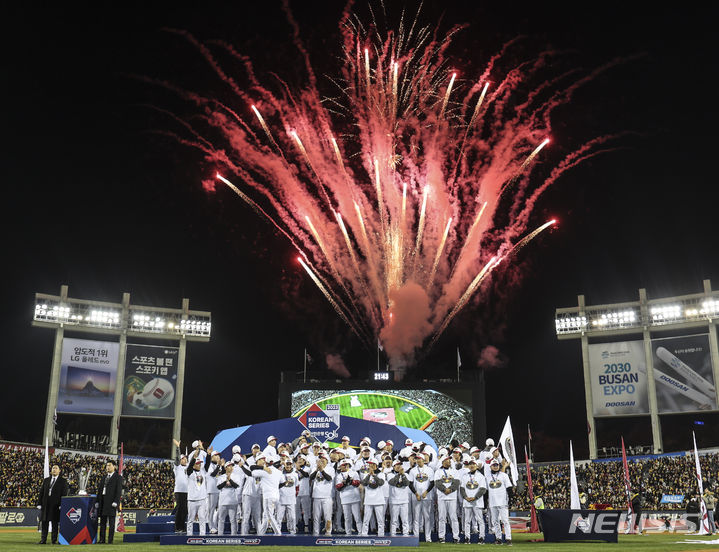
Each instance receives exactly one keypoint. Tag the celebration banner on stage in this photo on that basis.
(88, 371)
(324, 424)
(150, 379)
(618, 374)
(683, 374)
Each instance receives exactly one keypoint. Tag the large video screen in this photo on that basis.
(445, 415)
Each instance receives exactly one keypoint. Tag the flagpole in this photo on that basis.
(533, 525)
(378, 355)
(529, 441)
(304, 379)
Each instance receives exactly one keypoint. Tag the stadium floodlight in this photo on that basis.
(108, 317)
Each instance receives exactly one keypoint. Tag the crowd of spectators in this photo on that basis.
(147, 484)
(150, 484)
(603, 482)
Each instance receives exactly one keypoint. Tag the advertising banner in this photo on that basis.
(88, 372)
(19, 517)
(618, 373)
(683, 374)
(150, 379)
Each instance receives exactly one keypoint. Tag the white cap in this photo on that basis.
(345, 438)
(236, 449)
(465, 445)
(489, 442)
(236, 458)
(397, 463)
(215, 453)
(473, 449)
(365, 440)
(254, 446)
(493, 449)
(494, 462)
(260, 457)
(271, 438)
(388, 442)
(195, 444)
(408, 442)
(381, 444)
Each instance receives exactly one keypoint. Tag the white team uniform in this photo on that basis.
(471, 485)
(447, 479)
(288, 500)
(497, 485)
(322, 485)
(398, 502)
(251, 499)
(303, 507)
(196, 499)
(213, 495)
(270, 485)
(228, 503)
(422, 480)
(349, 498)
(374, 502)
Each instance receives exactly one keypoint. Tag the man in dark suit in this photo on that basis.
(51, 492)
(109, 494)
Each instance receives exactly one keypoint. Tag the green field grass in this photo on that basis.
(25, 539)
(417, 418)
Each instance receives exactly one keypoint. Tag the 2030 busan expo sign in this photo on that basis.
(618, 378)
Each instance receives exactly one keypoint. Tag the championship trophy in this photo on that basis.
(83, 476)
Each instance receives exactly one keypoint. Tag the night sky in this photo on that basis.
(99, 200)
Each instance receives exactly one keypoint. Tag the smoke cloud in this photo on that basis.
(209, 186)
(490, 357)
(337, 365)
(408, 326)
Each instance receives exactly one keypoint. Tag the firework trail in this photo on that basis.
(392, 190)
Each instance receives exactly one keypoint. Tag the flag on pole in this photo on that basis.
(703, 516)
(574, 503)
(120, 520)
(509, 451)
(308, 358)
(379, 345)
(627, 488)
(533, 526)
(54, 417)
(459, 359)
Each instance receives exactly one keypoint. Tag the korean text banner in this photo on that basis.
(150, 378)
(618, 373)
(88, 371)
(683, 374)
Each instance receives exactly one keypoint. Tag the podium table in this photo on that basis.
(78, 520)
